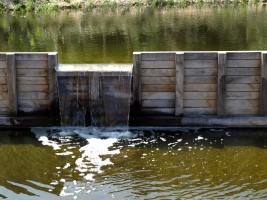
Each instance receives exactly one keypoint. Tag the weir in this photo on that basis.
(179, 89)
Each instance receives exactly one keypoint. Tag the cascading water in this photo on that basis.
(96, 95)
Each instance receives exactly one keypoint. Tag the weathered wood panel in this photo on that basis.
(247, 87)
(164, 103)
(199, 111)
(2, 72)
(199, 95)
(263, 85)
(243, 71)
(35, 104)
(242, 103)
(243, 63)
(4, 103)
(32, 80)
(158, 95)
(179, 89)
(33, 88)
(158, 88)
(32, 56)
(33, 95)
(2, 56)
(242, 95)
(158, 56)
(203, 64)
(206, 103)
(200, 79)
(158, 72)
(3, 64)
(158, 111)
(243, 55)
(32, 72)
(200, 87)
(11, 84)
(4, 111)
(3, 88)
(158, 80)
(158, 64)
(31, 64)
(242, 79)
(221, 84)
(3, 80)
(200, 72)
(242, 110)
(200, 55)
(4, 95)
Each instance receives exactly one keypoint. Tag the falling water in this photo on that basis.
(96, 95)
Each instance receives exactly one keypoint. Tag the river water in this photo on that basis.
(89, 163)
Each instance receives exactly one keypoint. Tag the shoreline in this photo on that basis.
(57, 5)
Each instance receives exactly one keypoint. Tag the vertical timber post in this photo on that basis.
(137, 79)
(263, 85)
(221, 83)
(52, 63)
(12, 84)
(179, 84)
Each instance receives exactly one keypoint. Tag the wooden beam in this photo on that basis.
(52, 64)
(179, 93)
(11, 84)
(137, 78)
(263, 85)
(221, 84)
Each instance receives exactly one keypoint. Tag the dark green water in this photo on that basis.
(112, 36)
(94, 164)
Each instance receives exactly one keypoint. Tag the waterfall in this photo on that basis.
(97, 95)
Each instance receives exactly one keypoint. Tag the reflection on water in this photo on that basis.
(145, 164)
(112, 36)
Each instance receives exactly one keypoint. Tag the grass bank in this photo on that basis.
(55, 5)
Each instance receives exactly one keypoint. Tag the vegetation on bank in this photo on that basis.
(55, 5)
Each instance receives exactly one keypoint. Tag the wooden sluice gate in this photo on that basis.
(180, 89)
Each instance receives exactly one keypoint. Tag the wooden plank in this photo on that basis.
(263, 85)
(11, 84)
(247, 87)
(243, 55)
(31, 56)
(203, 64)
(3, 64)
(158, 111)
(52, 64)
(200, 87)
(31, 64)
(32, 88)
(243, 63)
(242, 79)
(243, 71)
(4, 111)
(34, 104)
(2, 56)
(221, 84)
(199, 95)
(179, 91)
(137, 79)
(162, 56)
(242, 95)
(242, 103)
(4, 95)
(200, 55)
(158, 64)
(3, 80)
(242, 110)
(199, 111)
(158, 88)
(4, 103)
(158, 95)
(3, 88)
(157, 72)
(189, 103)
(33, 95)
(32, 80)
(200, 79)
(32, 72)
(2, 72)
(201, 72)
(165, 103)
(158, 80)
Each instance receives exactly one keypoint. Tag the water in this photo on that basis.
(89, 163)
(99, 94)
(112, 36)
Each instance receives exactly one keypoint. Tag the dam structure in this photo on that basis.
(178, 89)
